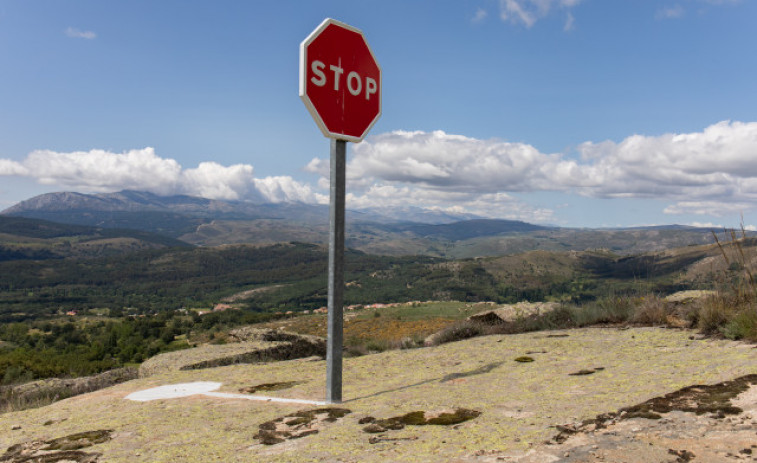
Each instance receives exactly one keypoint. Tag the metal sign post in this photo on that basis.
(340, 84)
(336, 274)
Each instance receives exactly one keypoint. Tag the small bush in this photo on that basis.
(650, 310)
(610, 309)
(374, 345)
(742, 326)
(715, 312)
(459, 331)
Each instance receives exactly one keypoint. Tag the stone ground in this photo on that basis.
(539, 411)
(676, 436)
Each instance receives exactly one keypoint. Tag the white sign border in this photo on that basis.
(303, 82)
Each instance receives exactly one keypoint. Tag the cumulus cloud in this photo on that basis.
(528, 12)
(501, 205)
(715, 163)
(142, 169)
(705, 173)
(711, 172)
(448, 162)
(79, 34)
(8, 167)
(286, 189)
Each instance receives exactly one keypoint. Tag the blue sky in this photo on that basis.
(569, 112)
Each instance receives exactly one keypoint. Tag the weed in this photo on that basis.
(743, 325)
(650, 310)
(732, 312)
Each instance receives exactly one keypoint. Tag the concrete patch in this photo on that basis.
(205, 388)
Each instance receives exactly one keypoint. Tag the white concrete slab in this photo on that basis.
(205, 388)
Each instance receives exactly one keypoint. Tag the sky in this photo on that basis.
(577, 113)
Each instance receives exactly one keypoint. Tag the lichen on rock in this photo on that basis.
(62, 449)
(297, 425)
(420, 418)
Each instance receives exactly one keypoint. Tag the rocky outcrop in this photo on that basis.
(513, 312)
(249, 345)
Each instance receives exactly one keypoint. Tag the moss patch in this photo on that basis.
(419, 418)
(79, 440)
(699, 399)
(297, 425)
(58, 450)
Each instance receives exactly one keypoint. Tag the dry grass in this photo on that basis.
(732, 312)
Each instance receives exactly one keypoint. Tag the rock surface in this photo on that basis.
(512, 312)
(521, 405)
(250, 346)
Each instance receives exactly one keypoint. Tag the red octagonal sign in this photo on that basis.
(340, 81)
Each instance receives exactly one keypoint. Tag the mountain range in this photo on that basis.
(208, 222)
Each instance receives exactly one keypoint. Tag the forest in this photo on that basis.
(131, 306)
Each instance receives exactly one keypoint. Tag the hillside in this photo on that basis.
(172, 278)
(23, 238)
(498, 409)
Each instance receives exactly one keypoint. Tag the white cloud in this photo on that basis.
(286, 189)
(99, 170)
(79, 34)
(501, 205)
(705, 225)
(711, 172)
(706, 173)
(717, 162)
(669, 12)
(8, 167)
(212, 180)
(569, 22)
(480, 15)
(722, 2)
(719, 227)
(447, 162)
(713, 208)
(104, 171)
(528, 12)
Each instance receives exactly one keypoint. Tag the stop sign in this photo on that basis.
(340, 81)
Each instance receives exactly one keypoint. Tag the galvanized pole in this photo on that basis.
(336, 274)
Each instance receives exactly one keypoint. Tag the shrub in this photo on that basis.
(742, 326)
(459, 331)
(650, 310)
(732, 312)
(610, 309)
(715, 312)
